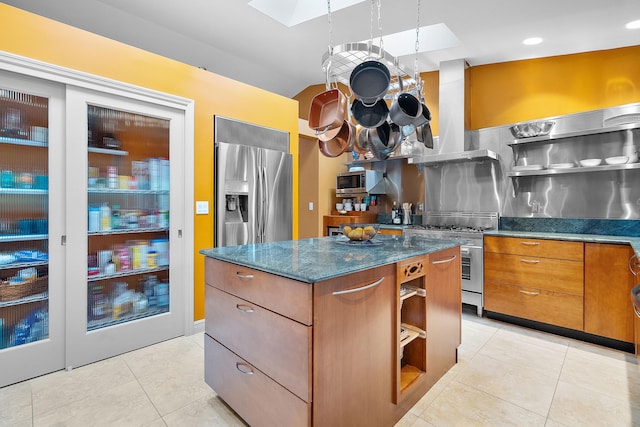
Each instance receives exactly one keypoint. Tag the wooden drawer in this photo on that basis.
(288, 297)
(556, 275)
(258, 399)
(535, 304)
(535, 247)
(278, 346)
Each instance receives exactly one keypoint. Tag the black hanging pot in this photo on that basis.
(369, 81)
(370, 116)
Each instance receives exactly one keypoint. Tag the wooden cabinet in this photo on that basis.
(288, 353)
(581, 286)
(255, 347)
(353, 349)
(608, 283)
(541, 280)
(444, 307)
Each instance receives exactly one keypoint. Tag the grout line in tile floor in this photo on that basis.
(506, 375)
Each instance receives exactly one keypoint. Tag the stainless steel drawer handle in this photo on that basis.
(244, 308)
(530, 243)
(530, 261)
(443, 261)
(244, 276)
(248, 370)
(529, 292)
(634, 266)
(349, 291)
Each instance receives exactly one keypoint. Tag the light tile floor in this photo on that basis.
(506, 376)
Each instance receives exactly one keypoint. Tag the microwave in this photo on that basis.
(363, 181)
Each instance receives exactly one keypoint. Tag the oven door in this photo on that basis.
(472, 269)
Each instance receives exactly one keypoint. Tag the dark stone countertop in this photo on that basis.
(592, 230)
(317, 259)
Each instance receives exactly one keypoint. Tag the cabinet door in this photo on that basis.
(444, 310)
(354, 349)
(31, 225)
(125, 221)
(608, 283)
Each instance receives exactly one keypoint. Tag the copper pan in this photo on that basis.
(327, 111)
(338, 144)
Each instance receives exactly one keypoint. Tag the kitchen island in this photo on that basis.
(320, 332)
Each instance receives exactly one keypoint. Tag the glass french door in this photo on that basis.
(124, 229)
(32, 339)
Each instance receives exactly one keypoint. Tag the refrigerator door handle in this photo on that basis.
(265, 204)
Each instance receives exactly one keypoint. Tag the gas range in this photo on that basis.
(468, 226)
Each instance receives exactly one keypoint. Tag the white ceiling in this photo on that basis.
(234, 39)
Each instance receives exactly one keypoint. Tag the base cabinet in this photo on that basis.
(575, 285)
(343, 366)
(535, 279)
(608, 283)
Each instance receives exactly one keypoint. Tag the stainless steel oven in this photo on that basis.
(468, 227)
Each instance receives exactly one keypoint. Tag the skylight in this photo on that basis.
(294, 12)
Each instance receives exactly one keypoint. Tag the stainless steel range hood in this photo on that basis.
(453, 143)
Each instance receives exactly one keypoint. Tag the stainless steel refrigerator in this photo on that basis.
(253, 184)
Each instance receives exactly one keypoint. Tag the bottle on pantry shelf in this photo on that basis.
(112, 177)
(394, 212)
(94, 218)
(115, 217)
(105, 217)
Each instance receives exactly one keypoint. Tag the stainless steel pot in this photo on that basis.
(406, 109)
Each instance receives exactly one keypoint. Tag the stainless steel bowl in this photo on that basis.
(531, 129)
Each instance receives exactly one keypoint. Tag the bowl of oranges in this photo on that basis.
(359, 232)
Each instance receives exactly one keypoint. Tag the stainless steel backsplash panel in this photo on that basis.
(486, 186)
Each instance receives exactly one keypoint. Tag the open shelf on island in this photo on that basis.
(408, 374)
(409, 332)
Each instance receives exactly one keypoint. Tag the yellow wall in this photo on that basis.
(516, 91)
(29, 35)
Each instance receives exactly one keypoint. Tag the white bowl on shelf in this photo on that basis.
(588, 163)
(616, 160)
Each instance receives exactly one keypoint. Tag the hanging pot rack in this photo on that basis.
(339, 62)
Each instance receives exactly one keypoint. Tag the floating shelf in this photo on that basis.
(561, 136)
(602, 168)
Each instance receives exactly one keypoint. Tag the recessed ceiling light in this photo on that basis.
(633, 25)
(532, 41)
